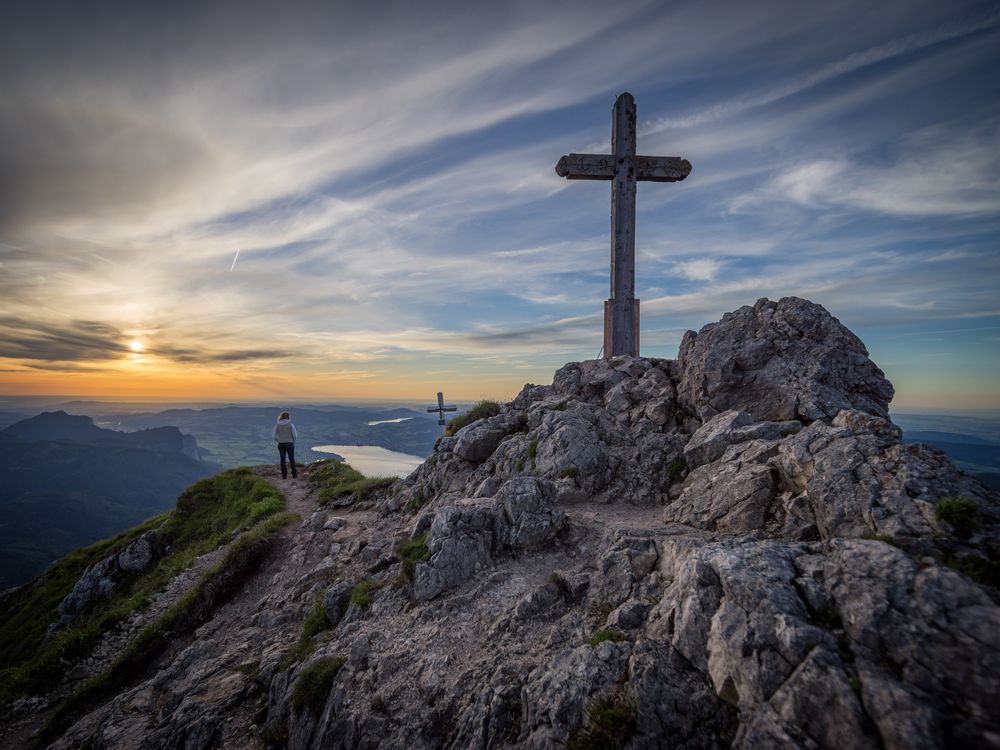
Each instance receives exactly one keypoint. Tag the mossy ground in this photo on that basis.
(206, 516)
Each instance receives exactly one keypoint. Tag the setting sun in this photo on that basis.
(135, 346)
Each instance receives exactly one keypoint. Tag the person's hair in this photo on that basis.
(285, 415)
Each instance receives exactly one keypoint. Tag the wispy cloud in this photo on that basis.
(389, 181)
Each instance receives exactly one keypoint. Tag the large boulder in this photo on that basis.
(780, 360)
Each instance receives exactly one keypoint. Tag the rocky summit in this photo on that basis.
(733, 549)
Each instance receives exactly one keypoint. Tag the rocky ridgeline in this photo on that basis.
(731, 549)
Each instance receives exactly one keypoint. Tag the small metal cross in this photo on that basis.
(624, 168)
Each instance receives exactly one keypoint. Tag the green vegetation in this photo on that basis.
(791, 431)
(533, 452)
(568, 472)
(522, 422)
(315, 623)
(961, 513)
(410, 553)
(610, 724)
(855, 683)
(887, 538)
(363, 593)
(206, 516)
(481, 410)
(314, 682)
(563, 585)
(184, 616)
(982, 570)
(519, 466)
(338, 480)
(417, 502)
(676, 469)
(605, 634)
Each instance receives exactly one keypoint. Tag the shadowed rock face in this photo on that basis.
(730, 550)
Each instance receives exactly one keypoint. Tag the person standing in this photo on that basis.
(285, 435)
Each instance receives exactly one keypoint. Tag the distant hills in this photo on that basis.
(241, 435)
(67, 482)
(978, 455)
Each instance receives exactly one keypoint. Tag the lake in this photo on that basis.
(373, 461)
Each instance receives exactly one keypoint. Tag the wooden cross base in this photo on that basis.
(609, 329)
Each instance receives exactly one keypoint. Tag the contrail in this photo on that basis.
(235, 258)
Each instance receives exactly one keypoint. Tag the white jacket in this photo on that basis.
(284, 431)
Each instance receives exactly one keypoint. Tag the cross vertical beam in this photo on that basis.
(624, 333)
(441, 408)
(624, 168)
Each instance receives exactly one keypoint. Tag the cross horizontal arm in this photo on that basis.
(586, 167)
(661, 168)
(602, 167)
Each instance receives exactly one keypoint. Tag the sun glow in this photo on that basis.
(135, 346)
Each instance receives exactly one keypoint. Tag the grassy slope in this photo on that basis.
(206, 516)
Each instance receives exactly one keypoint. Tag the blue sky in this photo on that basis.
(386, 173)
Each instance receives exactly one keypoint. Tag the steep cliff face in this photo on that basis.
(731, 550)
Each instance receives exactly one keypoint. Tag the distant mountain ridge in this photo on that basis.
(68, 482)
(62, 427)
(241, 435)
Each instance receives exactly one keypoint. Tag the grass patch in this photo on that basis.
(337, 480)
(568, 472)
(605, 634)
(410, 553)
(676, 469)
(312, 687)
(206, 515)
(363, 593)
(418, 501)
(887, 538)
(610, 724)
(315, 623)
(533, 452)
(980, 569)
(855, 683)
(184, 616)
(519, 466)
(481, 410)
(563, 585)
(790, 431)
(961, 513)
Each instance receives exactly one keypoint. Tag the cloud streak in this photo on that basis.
(389, 181)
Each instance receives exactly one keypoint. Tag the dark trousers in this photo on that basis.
(287, 449)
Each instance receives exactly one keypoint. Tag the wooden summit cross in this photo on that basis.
(441, 408)
(624, 167)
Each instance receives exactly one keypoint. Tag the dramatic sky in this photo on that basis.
(292, 201)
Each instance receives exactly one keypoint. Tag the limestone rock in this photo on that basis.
(780, 360)
(749, 601)
(101, 578)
